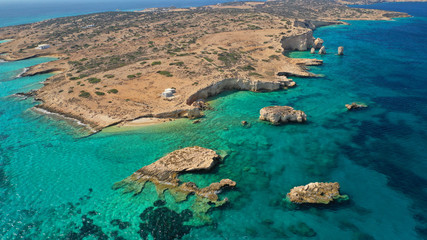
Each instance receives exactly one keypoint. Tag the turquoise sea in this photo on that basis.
(55, 180)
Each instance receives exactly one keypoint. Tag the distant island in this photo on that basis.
(163, 63)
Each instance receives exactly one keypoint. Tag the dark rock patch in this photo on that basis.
(302, 229)
(163, 223)
(122, 225)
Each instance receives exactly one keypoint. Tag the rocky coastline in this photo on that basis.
(233, 58)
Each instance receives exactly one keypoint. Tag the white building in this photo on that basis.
(43, 46)
(168, 92)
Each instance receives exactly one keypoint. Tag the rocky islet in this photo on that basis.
(316, 193)
(282, 115)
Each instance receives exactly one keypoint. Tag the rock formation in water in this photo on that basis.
(354, 106)
(300, 42)
(318, 43)
(318, 192)
(282, 114)
(340, 50)
(322, 50)
(164, 175)
(313, 50)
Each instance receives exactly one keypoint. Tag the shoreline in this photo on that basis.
(181, 107)
(45, 112)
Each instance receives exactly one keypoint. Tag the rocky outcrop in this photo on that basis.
(300, 42)
(340, 50)
(354, 106)
(304, 24)
(322, 50)
(313, 50)
(239, 84)
(318, 43)
(282, 114)
(201, 104)
(320, 193)
(164, 175)
(190, 113)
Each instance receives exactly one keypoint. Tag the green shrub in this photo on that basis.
(177, 63)
(248, 68)
(208, 59)
(74, 78)
(131, 76)
(229, 58)
(84, 94)
(109, 75)
(113, 91)
(274, 57)
(255, 74)
(99, 93)
(165, 73)
(156, 63)
(93, 80)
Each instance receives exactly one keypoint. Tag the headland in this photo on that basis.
(116, 67)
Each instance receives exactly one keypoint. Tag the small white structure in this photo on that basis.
(173, 90)
(89, 26)
(168, 92)
(43, 46)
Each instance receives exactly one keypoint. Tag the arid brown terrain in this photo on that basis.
(113, 67)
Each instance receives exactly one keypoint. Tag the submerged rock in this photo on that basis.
(302, 229)
(282, 114)
(340, 50)
(322, 193)
(318, 43)
(163, 223)
(355, 105)
(322, 50)
(244, 123)
(164, 174)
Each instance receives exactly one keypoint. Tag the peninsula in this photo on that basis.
(118, 67)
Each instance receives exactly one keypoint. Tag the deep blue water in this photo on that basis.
(54, 181)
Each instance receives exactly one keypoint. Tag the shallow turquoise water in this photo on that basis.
(53, 178)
